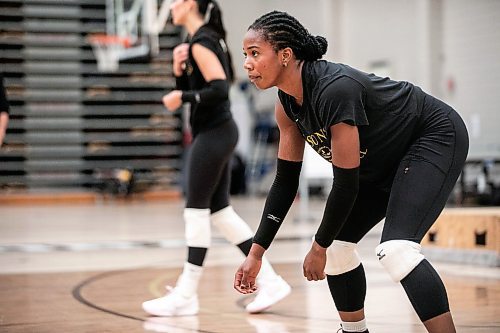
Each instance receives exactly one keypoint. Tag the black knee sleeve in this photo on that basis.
(196, 255)
(426, 291)
(348, 289)
(245, 246)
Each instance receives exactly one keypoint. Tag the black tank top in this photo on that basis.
(206, 117)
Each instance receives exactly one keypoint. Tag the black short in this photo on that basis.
(423, 182)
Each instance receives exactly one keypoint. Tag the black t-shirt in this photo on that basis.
(206, 117)
(387, 113)
(4, 104)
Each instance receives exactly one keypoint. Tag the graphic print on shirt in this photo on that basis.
(320, 142)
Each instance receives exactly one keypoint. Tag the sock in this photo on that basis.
(267, 272)
(188, 282)
(354, 326)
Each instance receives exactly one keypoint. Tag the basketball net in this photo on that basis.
(107, 49)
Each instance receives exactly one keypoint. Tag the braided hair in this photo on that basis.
(210, 10)
(283, 30)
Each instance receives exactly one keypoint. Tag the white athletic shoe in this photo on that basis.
(269, 293)
(172, 304)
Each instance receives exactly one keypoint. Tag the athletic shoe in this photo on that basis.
(269, 293)
(172, 304)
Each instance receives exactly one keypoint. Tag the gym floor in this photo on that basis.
(87, 267)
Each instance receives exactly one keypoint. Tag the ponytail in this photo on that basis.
(210, 10)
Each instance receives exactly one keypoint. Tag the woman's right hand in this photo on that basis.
(180, 56)
(173, 100)
(245, 277)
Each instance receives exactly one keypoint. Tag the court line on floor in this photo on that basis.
(77, 295)
(113, 245)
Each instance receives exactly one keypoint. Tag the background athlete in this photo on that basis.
(204, 73)
(4, 111)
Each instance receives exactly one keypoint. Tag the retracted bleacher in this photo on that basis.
(68, 120)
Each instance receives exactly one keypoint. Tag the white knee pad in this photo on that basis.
(341, 257)
(197, 229)
(399, 257)
(231, 225)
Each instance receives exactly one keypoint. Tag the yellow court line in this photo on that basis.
(157, 285)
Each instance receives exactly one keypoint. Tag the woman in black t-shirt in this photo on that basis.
(203, 71)
(4, 111)
(396, 153)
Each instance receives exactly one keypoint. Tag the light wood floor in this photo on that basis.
(87, 268)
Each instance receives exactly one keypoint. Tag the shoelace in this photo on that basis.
(170, 290)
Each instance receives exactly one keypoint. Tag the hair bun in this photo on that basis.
(315, 47)
(322, 44)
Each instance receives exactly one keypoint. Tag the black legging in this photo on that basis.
(422, 184)
(208, 169)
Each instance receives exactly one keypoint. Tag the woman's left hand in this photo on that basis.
(173, 100)
(314, 263)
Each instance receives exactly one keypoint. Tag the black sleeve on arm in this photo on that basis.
(182, 82)
(4, 104)
(278, 202)
(215, 92)
(339, 204)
